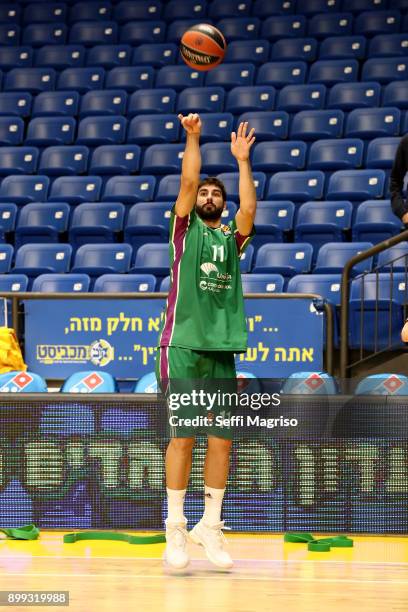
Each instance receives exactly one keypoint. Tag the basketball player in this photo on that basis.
(204, 326)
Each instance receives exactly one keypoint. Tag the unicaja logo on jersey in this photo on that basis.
(208, 267)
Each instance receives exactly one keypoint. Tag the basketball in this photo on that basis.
(203, 47)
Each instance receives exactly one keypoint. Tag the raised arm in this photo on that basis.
(241, 144)
(191, 166)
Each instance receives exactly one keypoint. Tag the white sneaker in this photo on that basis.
(213, 541)
(175, 553)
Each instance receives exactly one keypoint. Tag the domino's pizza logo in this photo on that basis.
(390, 386)
(17, 384)
(88, 384)
(310, 385)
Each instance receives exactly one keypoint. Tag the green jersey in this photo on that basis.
(205, 305)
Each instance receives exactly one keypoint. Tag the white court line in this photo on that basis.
(212, 576)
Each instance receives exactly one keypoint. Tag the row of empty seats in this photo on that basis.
(313, 222)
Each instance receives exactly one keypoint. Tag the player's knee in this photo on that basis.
(182, 445)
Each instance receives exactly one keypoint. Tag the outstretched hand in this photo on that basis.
(191, 123)
(241, 143)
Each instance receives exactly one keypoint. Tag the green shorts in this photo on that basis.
(199, 386)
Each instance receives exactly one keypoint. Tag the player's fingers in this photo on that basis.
(195, 117)
(239, 130)
(251, 133)
(244, 129)
(233, 137)
(251, 142)
(180, 116)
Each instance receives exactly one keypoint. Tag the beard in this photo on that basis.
(209, 212)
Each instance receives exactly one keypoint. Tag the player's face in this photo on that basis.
(209, 204)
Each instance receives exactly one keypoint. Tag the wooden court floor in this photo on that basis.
(268, 575)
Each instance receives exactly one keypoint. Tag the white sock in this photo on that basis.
(175, 505)
(213, 504)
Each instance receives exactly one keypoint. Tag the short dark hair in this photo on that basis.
(213, 180)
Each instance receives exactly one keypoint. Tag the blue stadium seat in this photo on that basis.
(112, 102)
(388, 45)
(385, 69)
(268, 125)
(18, 160)
(216, 157)
(81, 79)
(333, 256)
(151, 101)
(358, 6)
(394, 258)
(382, 318)
(147, 384)
(334, 24)
(373, 122)
(130, 78)
(314, 7)
(273, 220)
(163, 159)
(32, 80)
(343, 47)
(283, 26)
(251, 98)
(220, 9)
(8, 216)
(64, 160)
(22, 382)
(298, 186)
(395, 94)
(151, 129)
(202, 99)
(15, 104)
(285, 259)
(44, 222)
(147, 223)
(90, 33)
(90, 382)
(216, 127)
(16, 57)
(40, 34)
(168, 188)
(95, 131)
(109, 56)
(134, 11)
(356, 185)
(60, 56)
(98, 259)
(348, 96)
(156, 55)
(96, 223)
(383, 384)
(336, 154)
(56, 103)
(152, 258)
(6, 256)
(13, 282)
(231, 182)
(381, 152)
(125, 283)
(295, 98)
(330, 72)
(139, 32)
(374, 222)
(178, 9)
(309, 383)
(90, 11)
(370, 23)
(129, 189)
(47, 131)
(294, 50)
(22, 189)
(45, 12)
(115, 159)
(165, 284)
(240, 28)
(314, 124)
(35, 259)
(176, 29)
(231, 75)
(264, 9)
(240, 50)
(9, 34)
(76, 189)
(321, 222)
(279, 74)
(178, 77)
(279, 156)
(10, 13)
(262, 283)
(246, 260)
(61, 283)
